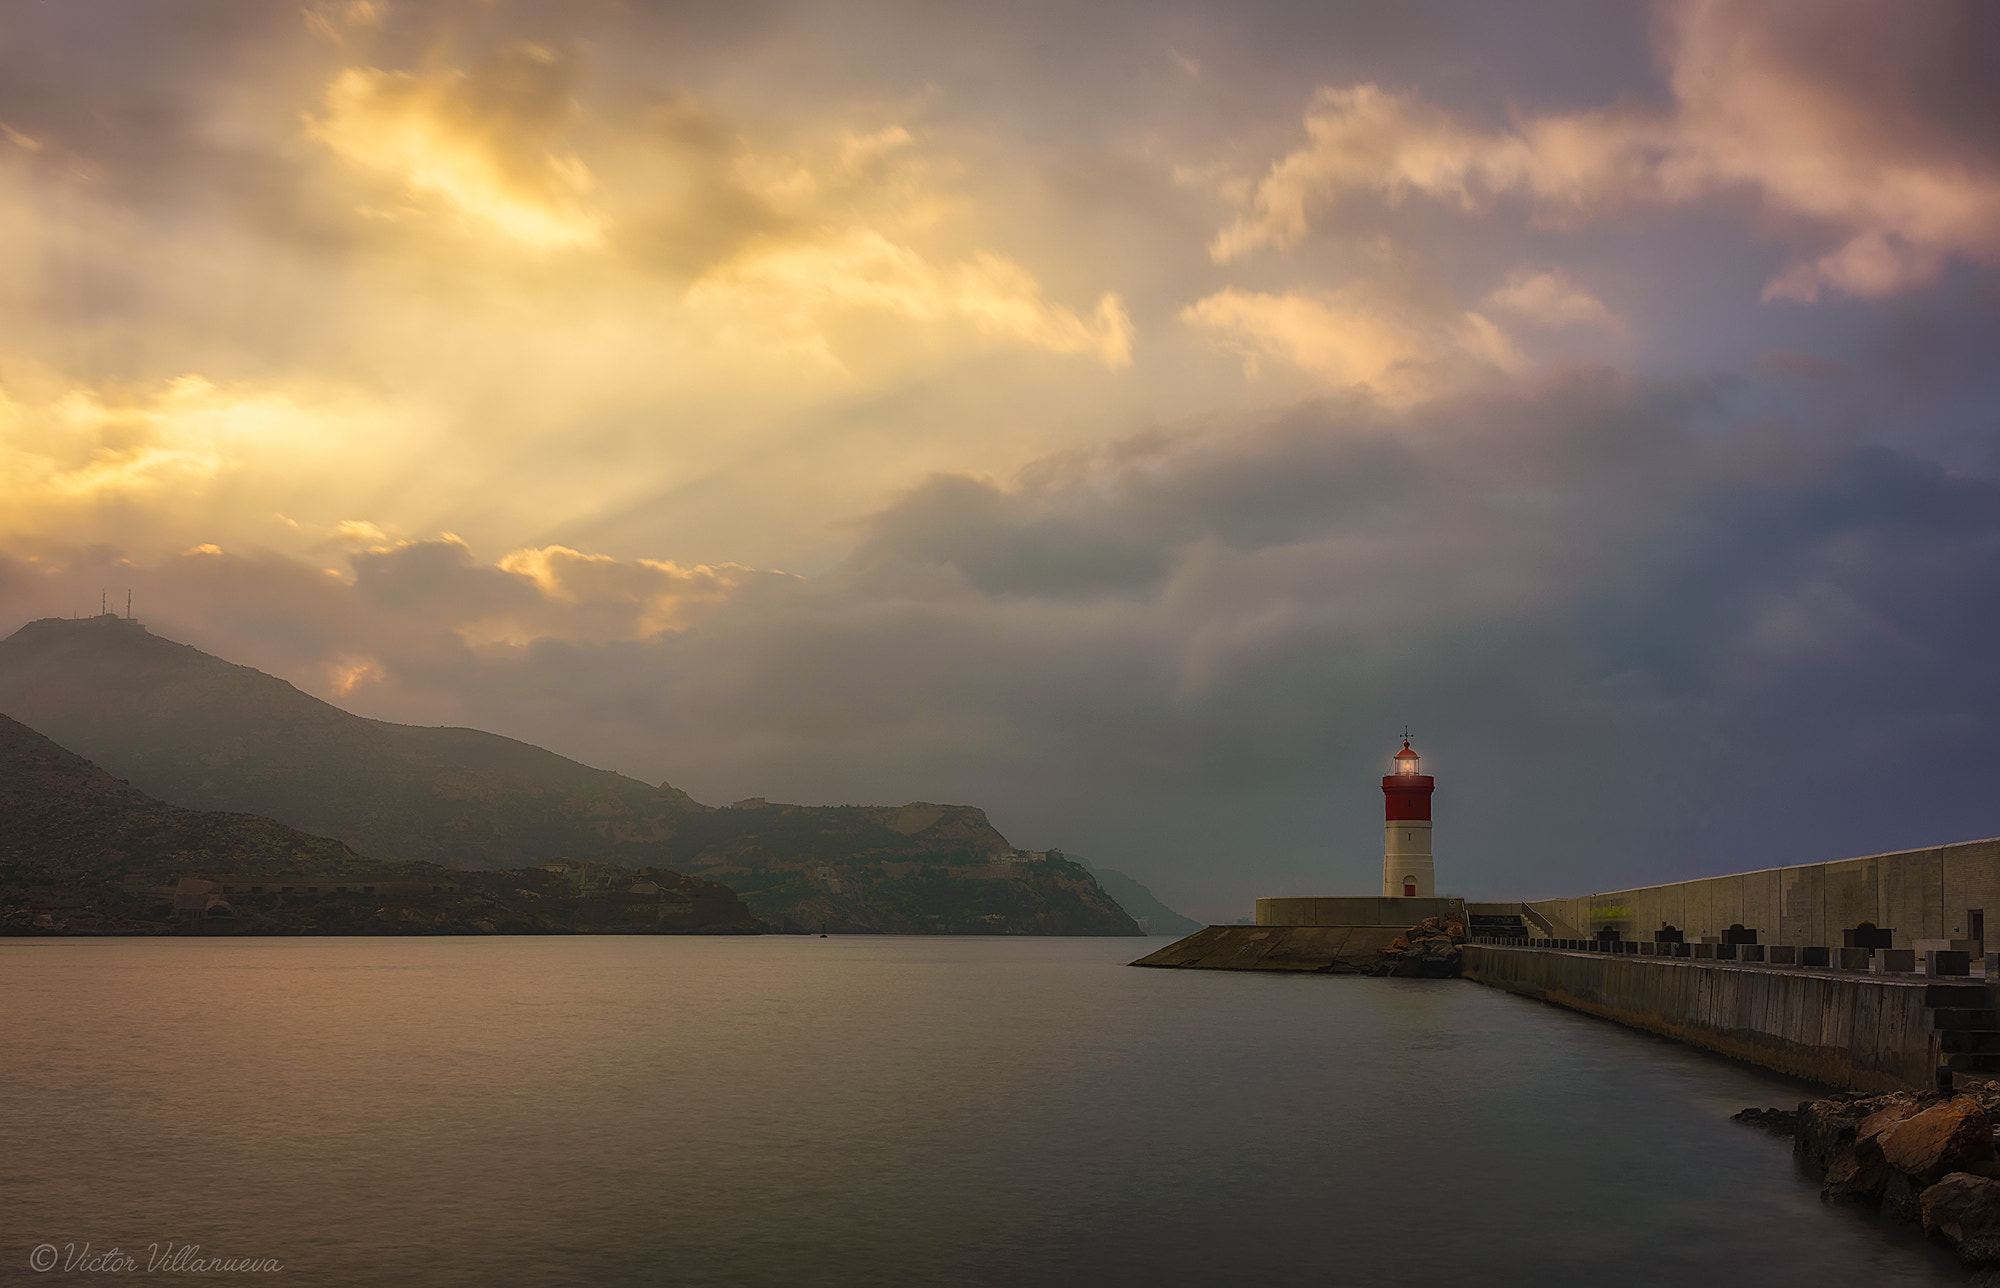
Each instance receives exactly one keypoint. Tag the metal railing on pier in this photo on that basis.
(1928, 963)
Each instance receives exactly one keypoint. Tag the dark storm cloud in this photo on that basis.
(1115, 522)
(1593, 603)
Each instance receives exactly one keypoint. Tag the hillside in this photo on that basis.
(202, 733)
(82, 852)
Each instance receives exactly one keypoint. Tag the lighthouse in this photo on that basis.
(1406, 829)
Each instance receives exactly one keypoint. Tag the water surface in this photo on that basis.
(866, 1110)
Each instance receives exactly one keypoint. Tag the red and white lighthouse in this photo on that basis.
(1406, 829)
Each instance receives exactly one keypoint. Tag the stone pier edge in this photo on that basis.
(1850, 1032)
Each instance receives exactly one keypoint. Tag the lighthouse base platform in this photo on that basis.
(1329, 950)
(1330, 936)
(1367, 910)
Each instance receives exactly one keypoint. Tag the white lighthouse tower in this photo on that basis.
(1406, 829)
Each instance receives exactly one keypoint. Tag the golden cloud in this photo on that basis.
(793, 292)
(1353, 339)
(603, 597)
(479, 143)
(172, 449)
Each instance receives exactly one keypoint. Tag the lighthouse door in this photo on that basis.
(1409, 887)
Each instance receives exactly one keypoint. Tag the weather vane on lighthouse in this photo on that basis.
(1407, 870)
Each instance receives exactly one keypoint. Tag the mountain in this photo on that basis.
(83, 852)
(202, 733)
(1154, 917)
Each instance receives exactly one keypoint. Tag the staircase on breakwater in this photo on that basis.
(1499, 927)
(1967, 1026)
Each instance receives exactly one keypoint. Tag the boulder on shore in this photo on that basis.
(1920, 1157)
(1961, 1207)
(1427, 950)
(1955, 1136)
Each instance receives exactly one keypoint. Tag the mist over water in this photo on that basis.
(610, 1110)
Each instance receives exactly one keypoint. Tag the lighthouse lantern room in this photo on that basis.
(1406, 829)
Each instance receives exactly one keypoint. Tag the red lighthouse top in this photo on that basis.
(1406, 794)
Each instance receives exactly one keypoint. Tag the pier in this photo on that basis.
(1846, 1028)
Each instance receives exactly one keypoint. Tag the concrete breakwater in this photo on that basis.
(1855, 1032)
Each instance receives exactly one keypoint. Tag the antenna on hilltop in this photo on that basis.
(128, 604)
(104, 603)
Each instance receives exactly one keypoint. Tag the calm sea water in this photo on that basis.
(874, 1111)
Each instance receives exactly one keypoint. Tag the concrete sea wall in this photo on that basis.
(1927, 894)
(1855, 1032)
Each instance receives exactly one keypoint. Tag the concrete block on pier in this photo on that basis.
(1947, 962)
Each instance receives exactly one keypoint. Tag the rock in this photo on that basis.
(1960, 1207)
(1901, 1199)
(1955, 1136)
(1981, 1250)
(1883, 1119)
(1826, 1127)
(1852, 1179)
(1785, 1122)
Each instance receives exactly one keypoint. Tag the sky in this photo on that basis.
(1125, 417)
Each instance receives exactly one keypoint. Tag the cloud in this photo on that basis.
(643, 305)
(1804, 366)
(1192, 644)
(791, 292)
(785, 246)
(159, 455)
(1548, 298)
(482, 143)
(1353, 338)
(544, 593)
(1830, 115)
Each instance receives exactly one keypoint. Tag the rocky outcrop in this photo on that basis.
(1427, 950)
(1925, 1158)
